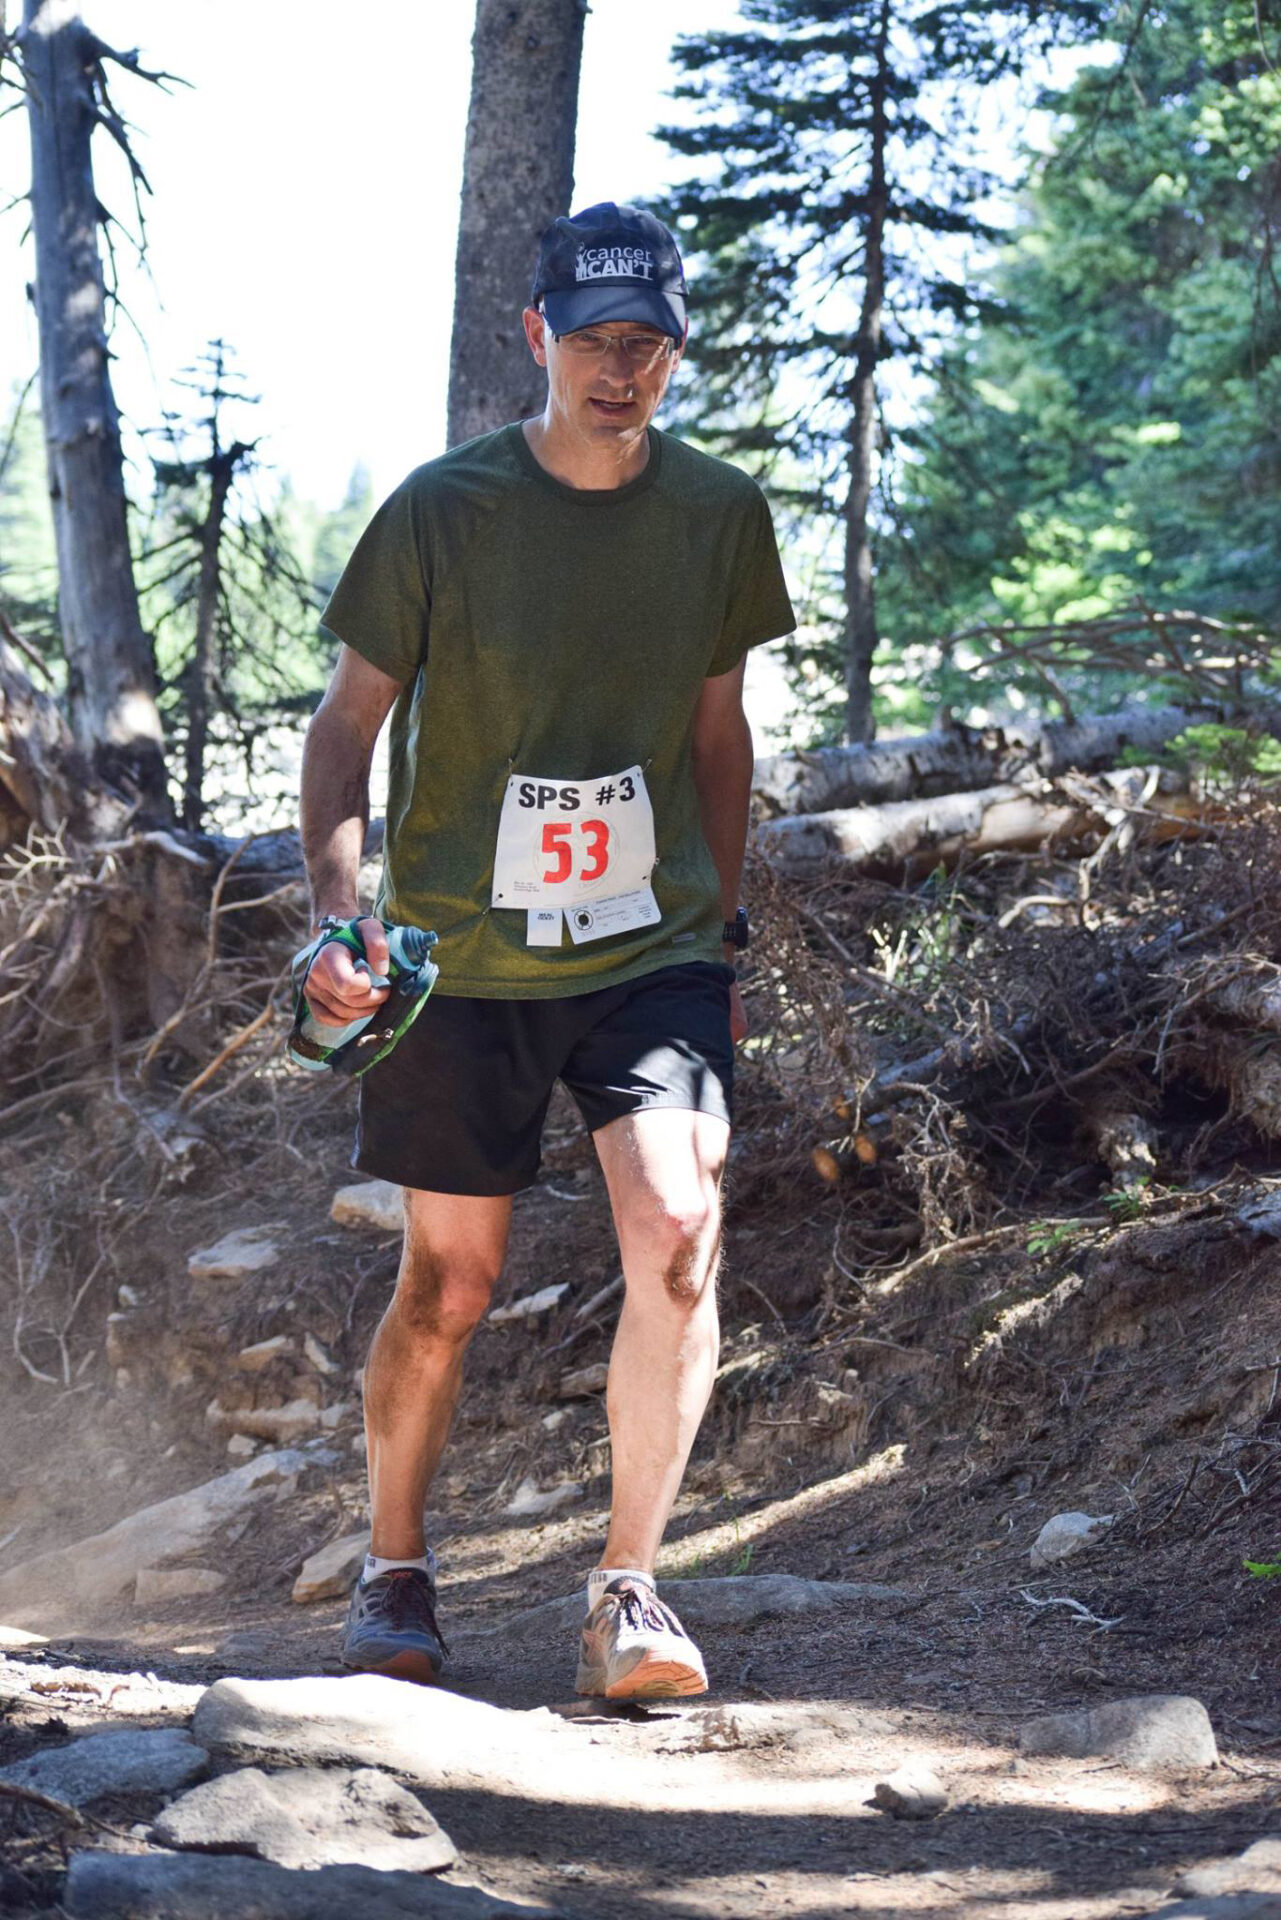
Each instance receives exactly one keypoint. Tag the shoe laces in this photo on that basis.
(408, 1599)
(641, 1607)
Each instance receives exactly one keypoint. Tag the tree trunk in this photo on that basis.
(958, 759)
(860, 592)
(111, 671)
(518, 175)
(222, 469)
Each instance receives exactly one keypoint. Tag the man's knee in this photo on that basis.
(687, 1239)
(444, 1295)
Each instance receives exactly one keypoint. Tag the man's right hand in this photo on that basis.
(338, 991)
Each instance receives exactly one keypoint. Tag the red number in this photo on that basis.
(598, 833)
(556, 841)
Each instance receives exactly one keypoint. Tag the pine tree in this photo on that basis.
(837, 186)
(1113, 433)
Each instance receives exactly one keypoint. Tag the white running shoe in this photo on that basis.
(634, 1647)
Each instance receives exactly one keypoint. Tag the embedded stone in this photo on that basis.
(158, 1886)
(310, 1817)
(911, 1793)
(370, 1203)
(1066, 1534)
(131, 1760)
(328, 1573)
(1153, 1731)
(238, 1254)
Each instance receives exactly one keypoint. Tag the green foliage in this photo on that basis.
(1227, 759)
(1127, 1203)
(1262, 1569)
(1111, 432)
(779, 210)
(1049, 1237)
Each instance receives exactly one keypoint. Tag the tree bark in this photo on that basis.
(860, 590)
(222, 470)
(960, 759)
(111, 670)
(518, 175)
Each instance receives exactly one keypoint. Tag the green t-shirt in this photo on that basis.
(545, 631)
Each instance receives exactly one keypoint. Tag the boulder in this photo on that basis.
(118, 1886)
(1151, 1731)
(1065, 1535)
(132, 1760)
(155, 1585)
(69, 1583)
(913, 1792)
(310, 1817)
(370, 1203)
(238, 1254)
(329, 1572)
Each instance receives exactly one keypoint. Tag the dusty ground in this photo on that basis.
(918, 1435)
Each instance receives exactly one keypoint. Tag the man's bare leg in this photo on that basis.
(453, 1253)
(663, 1170)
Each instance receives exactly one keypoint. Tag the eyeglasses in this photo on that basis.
(640, 350)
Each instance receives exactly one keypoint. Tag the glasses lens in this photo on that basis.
(640, 350)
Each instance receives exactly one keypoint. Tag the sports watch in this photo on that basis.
(734, 932)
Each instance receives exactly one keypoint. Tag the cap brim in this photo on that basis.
(592, 306)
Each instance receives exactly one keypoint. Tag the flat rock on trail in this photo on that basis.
(726, 1806)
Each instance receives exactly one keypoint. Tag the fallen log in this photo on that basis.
(918, 835)
(956, 759)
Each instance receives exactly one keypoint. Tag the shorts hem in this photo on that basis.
(461, 1186)
(672, 1103)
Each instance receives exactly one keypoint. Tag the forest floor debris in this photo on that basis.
(959, 1302)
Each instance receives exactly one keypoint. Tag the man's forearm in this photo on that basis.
(334, 811)
(723, 780)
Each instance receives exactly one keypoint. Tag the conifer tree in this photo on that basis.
(836, 187)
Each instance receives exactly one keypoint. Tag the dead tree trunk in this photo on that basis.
(111, 671)
(222, 471)
(860, 591)
(518, 175)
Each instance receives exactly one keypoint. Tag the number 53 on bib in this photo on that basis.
(577, 844)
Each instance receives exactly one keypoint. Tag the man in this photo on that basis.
(558, 613)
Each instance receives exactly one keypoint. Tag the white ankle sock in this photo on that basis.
(599, 1578)
(374, 1565)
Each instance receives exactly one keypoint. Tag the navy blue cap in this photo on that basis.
(610, 263)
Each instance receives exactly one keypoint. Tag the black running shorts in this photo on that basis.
(458, 1105)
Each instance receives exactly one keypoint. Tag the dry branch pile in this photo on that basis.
(957, 1028)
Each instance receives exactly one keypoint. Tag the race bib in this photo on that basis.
(580, 850)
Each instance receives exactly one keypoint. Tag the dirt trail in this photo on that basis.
(911, 1443)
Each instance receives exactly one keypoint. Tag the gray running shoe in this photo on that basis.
(634, 1647)
(391, 1627)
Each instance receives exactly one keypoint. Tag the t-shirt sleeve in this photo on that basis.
(759, 608)
(381, 606)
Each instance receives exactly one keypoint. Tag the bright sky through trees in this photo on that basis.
(305, 209)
